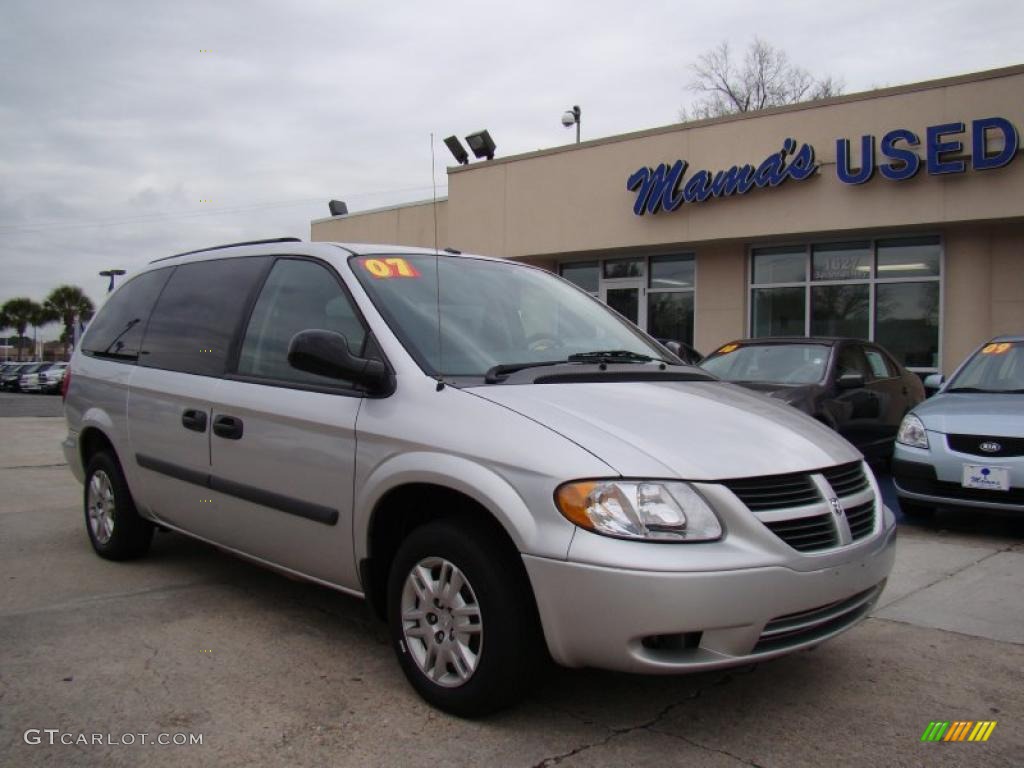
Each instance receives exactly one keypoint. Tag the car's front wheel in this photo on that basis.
(461, 618)
(116, 530)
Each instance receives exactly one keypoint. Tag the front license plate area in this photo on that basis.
(986, 477)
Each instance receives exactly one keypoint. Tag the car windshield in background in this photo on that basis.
(996, 367)
(773, 363)
(491, 314)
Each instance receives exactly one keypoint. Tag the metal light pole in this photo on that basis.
(572, 117)
(111, 273)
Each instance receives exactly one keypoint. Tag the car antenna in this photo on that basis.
(437, 267)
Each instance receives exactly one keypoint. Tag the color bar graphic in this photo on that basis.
(958, 730)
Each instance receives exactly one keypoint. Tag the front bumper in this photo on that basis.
(671, 622)
(933, 476)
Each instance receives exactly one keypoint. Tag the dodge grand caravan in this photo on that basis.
(501, 465)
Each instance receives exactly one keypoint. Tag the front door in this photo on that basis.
(283, 441)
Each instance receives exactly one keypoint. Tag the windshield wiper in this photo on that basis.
(613, 356)
(987, 391)
(498, 373)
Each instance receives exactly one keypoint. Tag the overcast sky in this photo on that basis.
(133, 130)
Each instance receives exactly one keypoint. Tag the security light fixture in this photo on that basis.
(456, 148)
(570, 118)
(111, 273)
(338, 208)
(482, 144)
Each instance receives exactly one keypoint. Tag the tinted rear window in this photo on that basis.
(117, 330)
(199, 315)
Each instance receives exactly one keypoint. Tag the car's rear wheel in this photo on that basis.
(462, 621)
(116, 530)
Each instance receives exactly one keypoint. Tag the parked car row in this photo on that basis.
(44, 378)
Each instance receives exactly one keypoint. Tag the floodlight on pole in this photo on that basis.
(570, 118)
(111, 273)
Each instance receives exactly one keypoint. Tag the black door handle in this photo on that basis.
(228, 427)
(194, 420)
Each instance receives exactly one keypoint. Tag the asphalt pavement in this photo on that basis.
(268, 671)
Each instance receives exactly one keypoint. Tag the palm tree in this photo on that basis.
(43, 315)
(19, 313)
(65, 302)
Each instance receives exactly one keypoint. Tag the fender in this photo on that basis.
(549, 535)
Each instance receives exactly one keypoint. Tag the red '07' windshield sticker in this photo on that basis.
(390, 267)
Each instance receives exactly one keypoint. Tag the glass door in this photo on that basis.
(625, 298)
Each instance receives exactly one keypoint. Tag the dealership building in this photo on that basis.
(895, 215)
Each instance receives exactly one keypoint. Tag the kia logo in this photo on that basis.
(991, 446)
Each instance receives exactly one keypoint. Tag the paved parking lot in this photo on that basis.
(275, 672)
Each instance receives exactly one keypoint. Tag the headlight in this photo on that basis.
(912, 432)
(638, 509)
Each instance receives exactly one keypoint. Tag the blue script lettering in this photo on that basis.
(658, 188)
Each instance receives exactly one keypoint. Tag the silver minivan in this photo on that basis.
(500, 464)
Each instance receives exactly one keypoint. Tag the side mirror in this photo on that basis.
(684, 352)
(850, 381)
(326, 353)
(933, 382)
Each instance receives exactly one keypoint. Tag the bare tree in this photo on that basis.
(764, 78)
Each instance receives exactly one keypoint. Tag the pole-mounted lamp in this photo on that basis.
(111, 273)
(570, 118)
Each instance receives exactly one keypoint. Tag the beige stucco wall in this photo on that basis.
(401, 225)
(984, 288)
(575, 199)
(721, 295)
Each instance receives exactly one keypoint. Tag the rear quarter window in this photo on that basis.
(116, 331)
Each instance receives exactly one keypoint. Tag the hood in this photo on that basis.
(789, 393)
(973, 413)
(707, 430)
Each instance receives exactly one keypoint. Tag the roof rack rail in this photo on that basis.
(232, 245)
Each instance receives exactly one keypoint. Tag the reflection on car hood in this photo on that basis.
(692, 430)
(786, 392)
(973, 413)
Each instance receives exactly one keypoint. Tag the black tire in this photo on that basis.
(131, 534)
(916, 510)
(510, 643)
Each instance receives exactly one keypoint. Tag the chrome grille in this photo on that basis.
(846, 479)
(861, 519)
(806, 534)
(774, 491)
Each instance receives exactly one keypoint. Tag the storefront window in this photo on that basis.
(840, 310)
(670, 297)
(584, 274)
(841, 261)
(779, 312)
(616, 268)
(780, 265)
(908, 257)
(670, 316)
(907, 322)
(672, 272)
(885, 290)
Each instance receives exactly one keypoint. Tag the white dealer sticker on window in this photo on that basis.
(989, 478)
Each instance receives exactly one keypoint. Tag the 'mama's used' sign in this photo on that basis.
(666, 188)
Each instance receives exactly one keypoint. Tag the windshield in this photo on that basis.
(996, 367)
(491, 313)
(773, 363)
